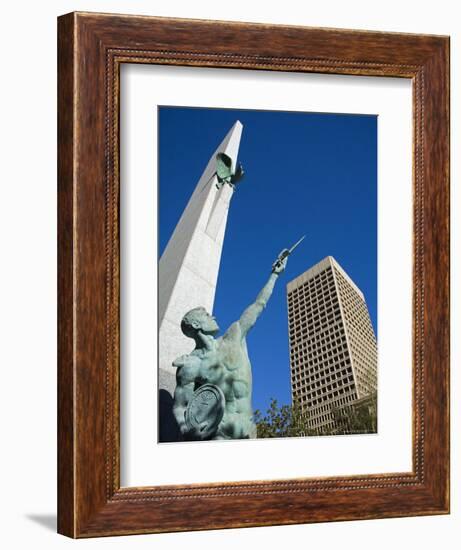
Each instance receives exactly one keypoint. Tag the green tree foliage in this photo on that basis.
(283, 421)
(358, 418)
(291, 421)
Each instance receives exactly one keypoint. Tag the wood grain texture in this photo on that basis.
(91, 49)
(66, 296)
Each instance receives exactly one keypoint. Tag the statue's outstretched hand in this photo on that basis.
(280, 263)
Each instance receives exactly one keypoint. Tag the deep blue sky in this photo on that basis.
(306, 173)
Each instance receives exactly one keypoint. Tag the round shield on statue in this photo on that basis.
(205, 410)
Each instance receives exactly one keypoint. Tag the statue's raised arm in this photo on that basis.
(252, 312)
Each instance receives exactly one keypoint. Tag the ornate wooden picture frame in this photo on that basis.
(92, 48)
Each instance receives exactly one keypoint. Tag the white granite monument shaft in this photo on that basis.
(189, 266)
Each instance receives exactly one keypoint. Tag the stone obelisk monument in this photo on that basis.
(189, 266)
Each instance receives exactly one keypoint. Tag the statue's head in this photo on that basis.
(198, 320)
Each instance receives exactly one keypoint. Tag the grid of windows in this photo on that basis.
(333, 356)
(361, 337)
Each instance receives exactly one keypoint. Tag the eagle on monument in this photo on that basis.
(225, 173)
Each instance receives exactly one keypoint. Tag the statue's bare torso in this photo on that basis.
(227, 366)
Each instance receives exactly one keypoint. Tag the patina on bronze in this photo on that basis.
(205, 411)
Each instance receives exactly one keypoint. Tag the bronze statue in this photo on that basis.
(212, 399)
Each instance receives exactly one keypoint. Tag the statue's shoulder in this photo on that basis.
(187, 368)
(187, 361)
(233, 332)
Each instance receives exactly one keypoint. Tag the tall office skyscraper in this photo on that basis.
(333, 352)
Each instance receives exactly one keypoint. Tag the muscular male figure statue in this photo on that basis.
(223, 362)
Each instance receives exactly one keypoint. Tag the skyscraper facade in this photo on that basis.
(333, 351)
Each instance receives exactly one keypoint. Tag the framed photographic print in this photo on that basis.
(253, 275)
